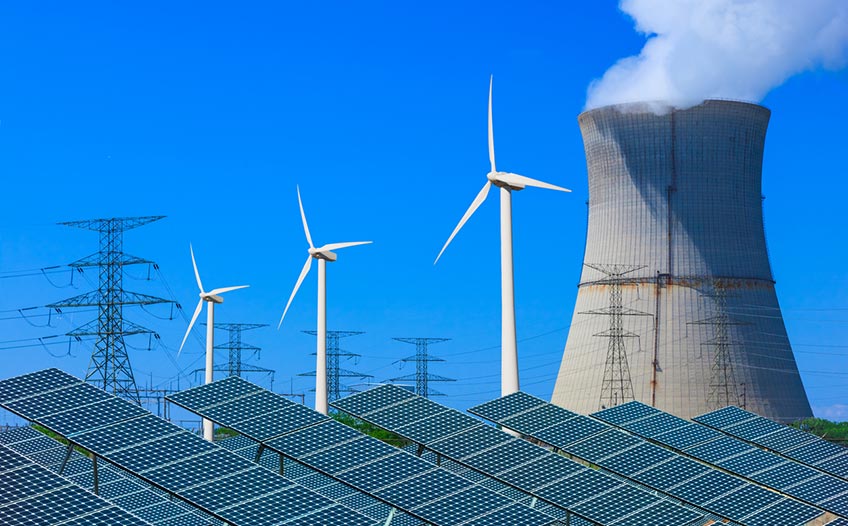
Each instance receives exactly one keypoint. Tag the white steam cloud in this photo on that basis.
(736, 49)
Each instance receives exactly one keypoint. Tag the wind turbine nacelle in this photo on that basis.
(212, 298)
(500, 183)
(323, 254)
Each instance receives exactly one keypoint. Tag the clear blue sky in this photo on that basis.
(210, 114)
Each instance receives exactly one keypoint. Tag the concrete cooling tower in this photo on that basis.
(676, 304)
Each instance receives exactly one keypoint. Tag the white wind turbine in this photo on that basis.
(211, 298)
(507, 182)
(323, 255)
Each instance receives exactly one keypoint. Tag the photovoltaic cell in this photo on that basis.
(184, 472)
(538, 418)
(379, 398)
(789, 442)
(31, 494)
(409, 411)
(439, 426)
(570, 431)
(674, 475)
(208, 395)
(556, 480)
(372, 466)
(624, 413)
(763, 467)
(502, 408)
(113, 484)
(724, 417)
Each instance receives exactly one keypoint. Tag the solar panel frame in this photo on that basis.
(84, 419)
(527, 473)
(345, 455)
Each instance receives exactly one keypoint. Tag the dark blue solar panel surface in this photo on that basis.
(503, 408)
(114, 485)
(31, 494)
(363, 462)
(789, 442)
(185, 468)
(657, 467)
(556, 480)
(741, 458)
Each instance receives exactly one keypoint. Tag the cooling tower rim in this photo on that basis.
(663, 108)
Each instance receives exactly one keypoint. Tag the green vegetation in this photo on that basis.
(370, 430)
(832, 431)
(58, 438)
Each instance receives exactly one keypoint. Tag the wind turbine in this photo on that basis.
(323, 255)
(508, 183)
(211, 298)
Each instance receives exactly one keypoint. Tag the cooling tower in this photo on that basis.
(676, 305)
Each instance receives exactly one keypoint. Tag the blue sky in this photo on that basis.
(210, 114)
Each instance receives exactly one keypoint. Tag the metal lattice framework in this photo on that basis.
(422, 359)
(236, 366)
(109, 366)
(616, 386)
(334, 370)
(723, 384)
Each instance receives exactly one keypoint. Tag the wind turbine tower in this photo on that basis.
(507, 183)
(323, 254)
(210, 299)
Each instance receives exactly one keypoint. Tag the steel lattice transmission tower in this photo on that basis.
(723, 391)
(422, 359)
(616, 386)
(334, 370)
(235, 347)
(109, 366)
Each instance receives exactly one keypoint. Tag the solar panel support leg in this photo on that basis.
(533, 502)
(390, 517)
(420, 450)
(259, 453)
(68, 452)
(282, 465)
(96, 478)
(438, 459)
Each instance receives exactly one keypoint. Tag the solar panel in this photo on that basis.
(89, 425)
(517, 463)
(788, 442)
(368, 464)
(32, 494)
(113, 484)
(743, 459)
(505, 407)
(379, 398)
(651, 465)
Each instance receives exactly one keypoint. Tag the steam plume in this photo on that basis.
(737, 49)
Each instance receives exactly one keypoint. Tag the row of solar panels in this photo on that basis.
(226, 486)
(710, 490)
(517, 482)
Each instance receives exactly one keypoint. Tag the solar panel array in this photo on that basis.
(166, 456)
(327, 486)
(552, 478)
(588, 439)
(802, 482)
(115, 485)
(792, 443)
(31, 494)
(389, 474)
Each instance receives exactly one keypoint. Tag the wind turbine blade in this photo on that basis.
(190, 325)
(520, 180)
(303, 217)
(303, 274)
(491, 131)
(194, 264)
(336, 246)
(227, 289)
(474, 205)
